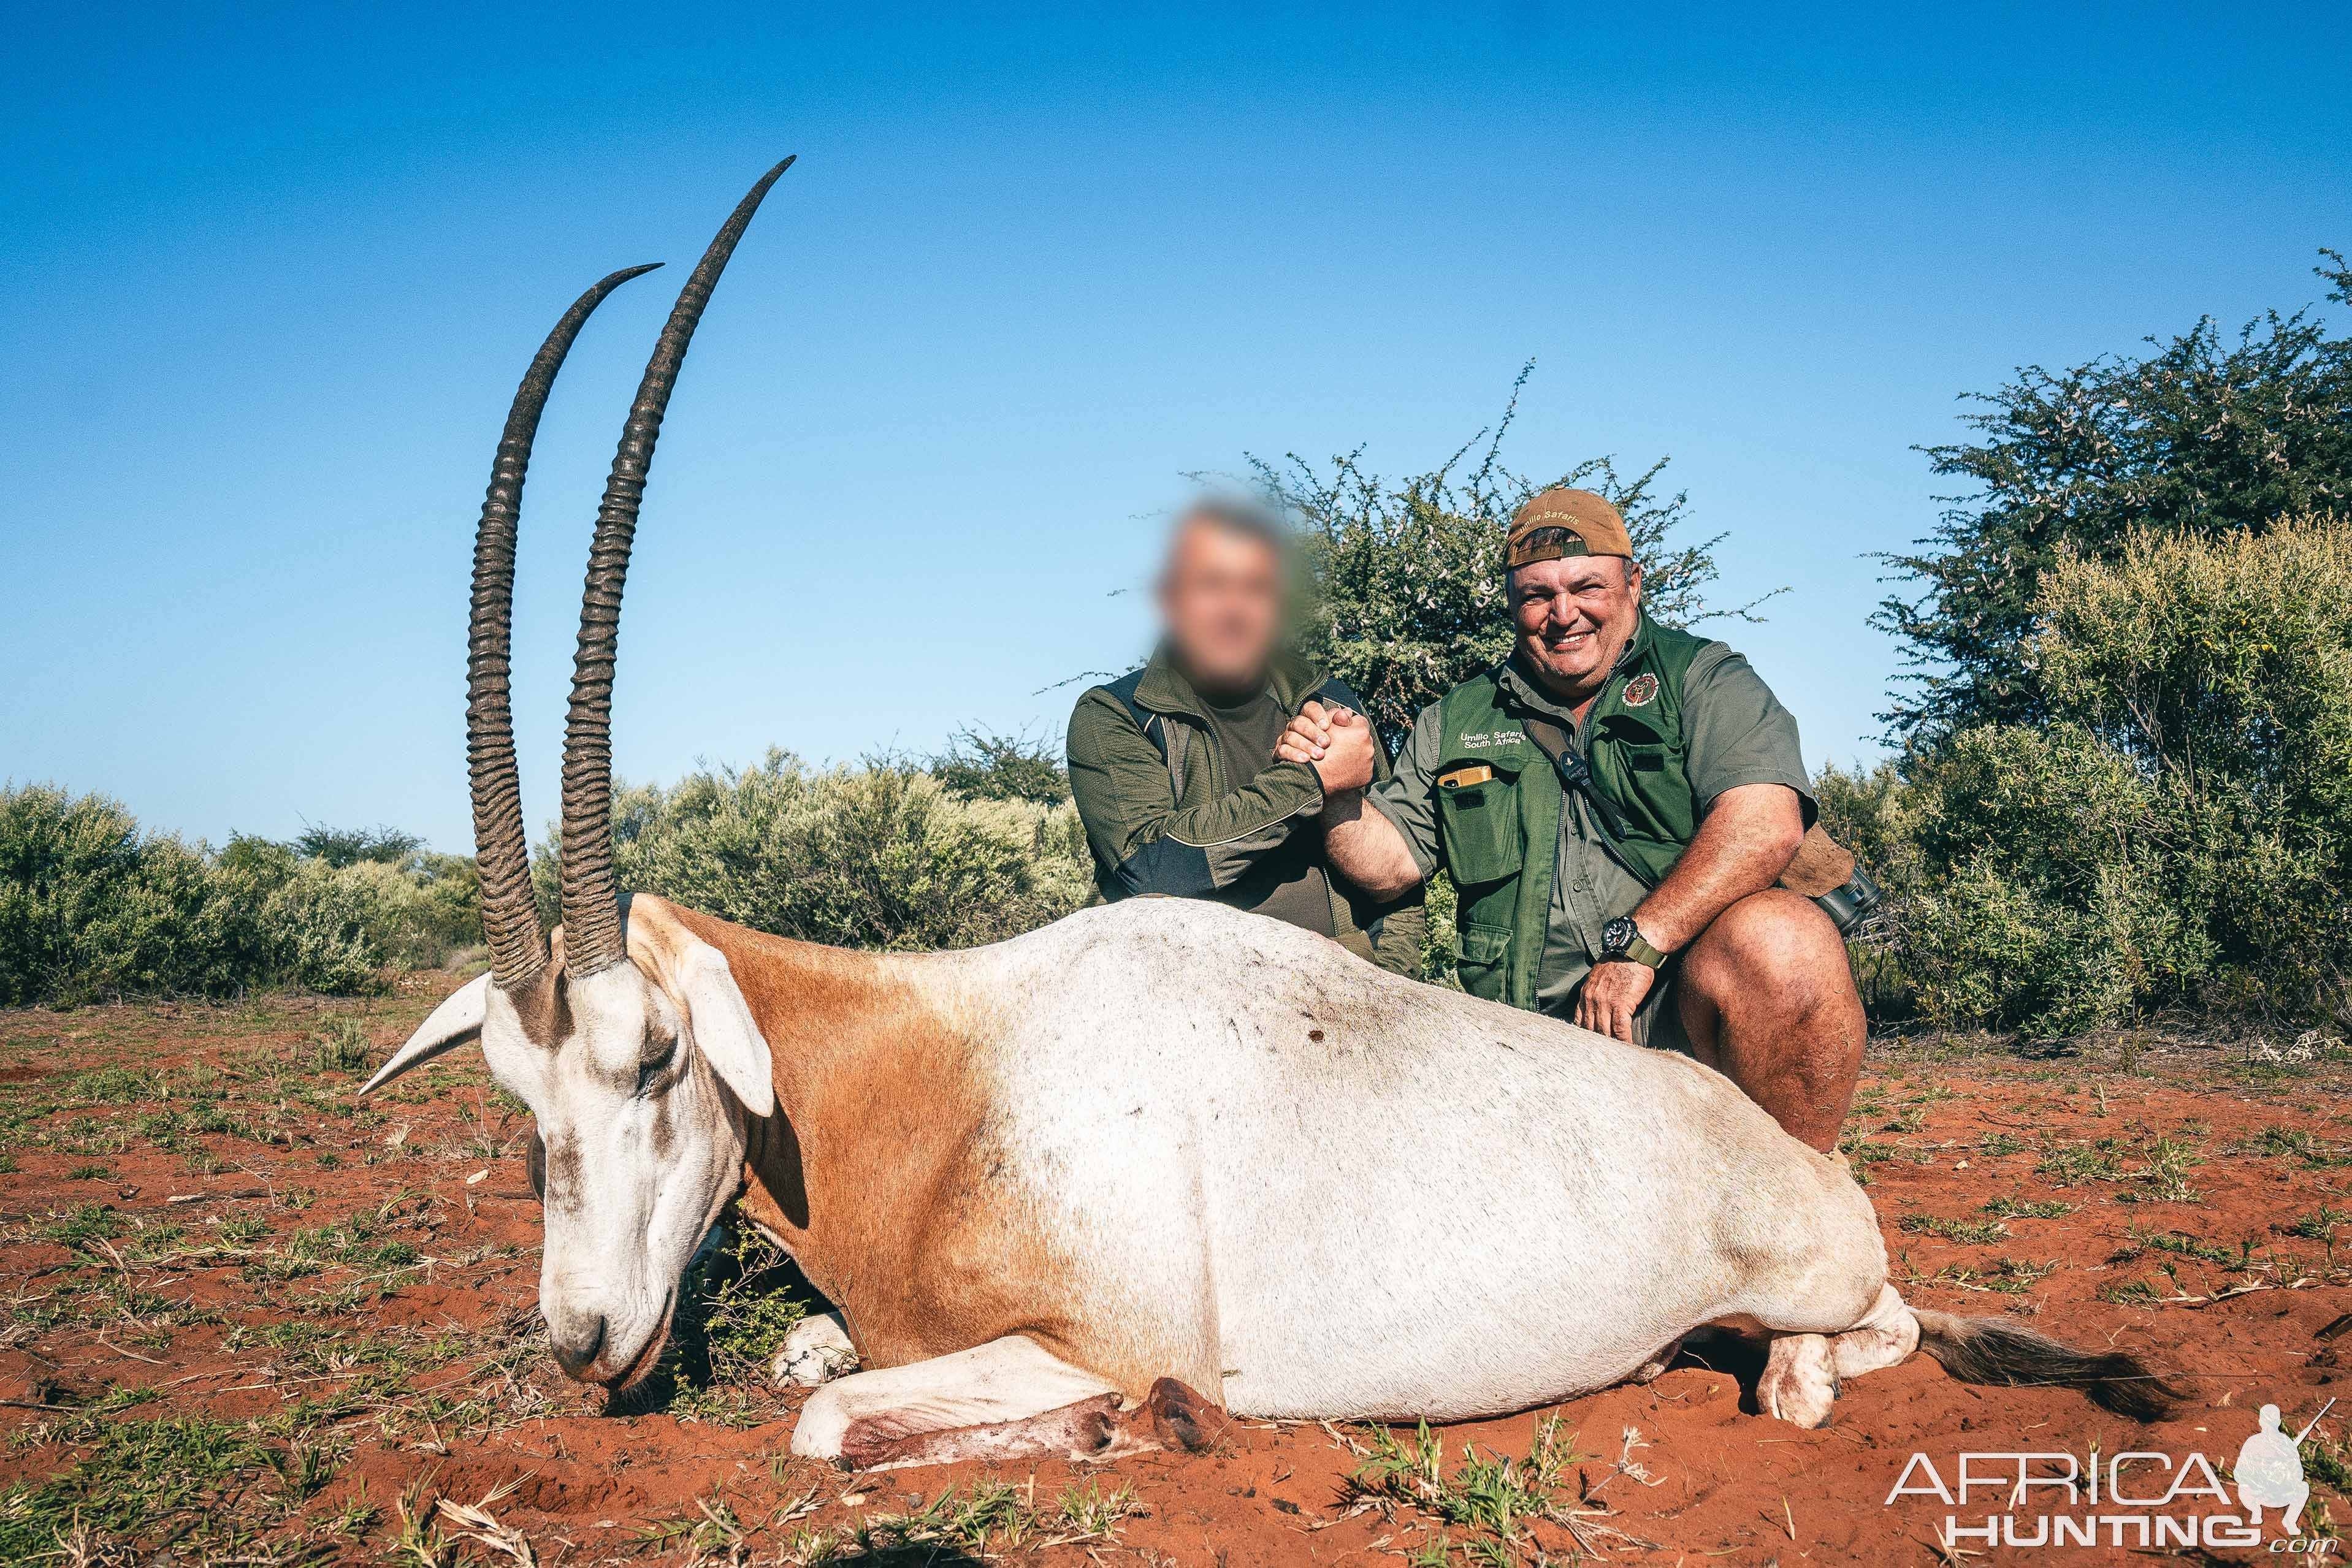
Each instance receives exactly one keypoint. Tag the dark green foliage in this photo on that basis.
(2197, 438)
(1409, 573)
(2171, 835)
(92, 908)
(981, 765)
(880, 855)
(738, 1299)
(339, 847)
(265, 857)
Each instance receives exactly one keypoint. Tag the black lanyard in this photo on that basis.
(1575, 774)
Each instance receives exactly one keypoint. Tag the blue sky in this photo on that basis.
(272, 274)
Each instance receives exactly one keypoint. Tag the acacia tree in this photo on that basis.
(2195, 438)
(1408, 574)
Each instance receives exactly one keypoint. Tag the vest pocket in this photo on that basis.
(1481, 956)
(1479, 825)
(1650, 759)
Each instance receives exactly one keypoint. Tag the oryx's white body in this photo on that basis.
(1161, 1152)
(1323, 1190)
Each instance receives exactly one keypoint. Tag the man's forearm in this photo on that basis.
(1745, 842)
(1365, 847)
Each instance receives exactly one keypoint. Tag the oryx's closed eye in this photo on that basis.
(455, 1022)
(661, 1055)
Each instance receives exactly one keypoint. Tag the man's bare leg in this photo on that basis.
(1769, 1000)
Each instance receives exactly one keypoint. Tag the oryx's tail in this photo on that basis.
(1994, 1350)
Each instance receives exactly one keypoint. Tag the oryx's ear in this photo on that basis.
(454, 1023)
(723, 1028)
(696, 977)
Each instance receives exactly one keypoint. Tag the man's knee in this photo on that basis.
(1769, 1000)
(1774, 942)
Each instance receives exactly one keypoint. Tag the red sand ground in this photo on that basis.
(396, 1362)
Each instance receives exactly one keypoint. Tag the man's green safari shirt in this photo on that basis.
(1167, 811)
(1680, 721)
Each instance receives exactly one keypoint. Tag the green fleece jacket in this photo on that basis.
(1166, 813)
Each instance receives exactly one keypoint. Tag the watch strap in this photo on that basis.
(1640, 951)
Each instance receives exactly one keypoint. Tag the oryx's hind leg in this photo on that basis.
(1801, 1381)
(1802, 1372)
(1656, 1367)
(1885, 1335)
(1006, 1400)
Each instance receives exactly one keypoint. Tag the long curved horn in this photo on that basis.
(592, 907)
(509, 914)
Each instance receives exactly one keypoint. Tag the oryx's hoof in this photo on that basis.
(1800, 1382)
(1654, 1368)
(1182, 1420)
(816, 1352)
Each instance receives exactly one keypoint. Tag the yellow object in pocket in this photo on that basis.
(1463, 778)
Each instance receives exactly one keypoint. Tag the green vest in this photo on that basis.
(1501, 835)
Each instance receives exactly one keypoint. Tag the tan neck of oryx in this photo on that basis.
(806, 998)
(876, 1106)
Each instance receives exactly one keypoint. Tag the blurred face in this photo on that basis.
(1222, 602)
(1573, 618)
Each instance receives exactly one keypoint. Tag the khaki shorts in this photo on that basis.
(1658, 1022)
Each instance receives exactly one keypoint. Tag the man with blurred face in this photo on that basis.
(1173, 767)
(1614, 803)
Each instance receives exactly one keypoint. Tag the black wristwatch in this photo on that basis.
(1621, 943)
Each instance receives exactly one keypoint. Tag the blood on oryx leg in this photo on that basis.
(1007, 1399)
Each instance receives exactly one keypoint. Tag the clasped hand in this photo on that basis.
(1338, 744)
(1335, 742)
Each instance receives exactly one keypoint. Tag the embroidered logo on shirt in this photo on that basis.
(1640, 690)
(1488, 739)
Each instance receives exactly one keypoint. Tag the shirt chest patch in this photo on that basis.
(1641, 691)
(1491, 739)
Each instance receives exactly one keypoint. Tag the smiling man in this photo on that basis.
(1614, 803)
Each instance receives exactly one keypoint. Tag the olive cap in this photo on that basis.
(1560, 522)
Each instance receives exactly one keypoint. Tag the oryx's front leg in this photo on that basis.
(1008, 1399)
(816, 1351)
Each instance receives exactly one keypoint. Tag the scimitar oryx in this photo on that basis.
(1104, 1183)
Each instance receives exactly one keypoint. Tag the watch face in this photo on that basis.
(1618, 934)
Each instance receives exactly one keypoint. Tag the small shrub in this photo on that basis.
(746, 1300)
(320, 937)
(979, 765)
(345, 1048)
(881, 855)
(91, 907)
(1492, 1494)
(1408, 573)
(339, 847)
(1965, 1232)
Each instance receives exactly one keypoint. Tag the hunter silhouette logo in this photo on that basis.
(2269, 1471)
